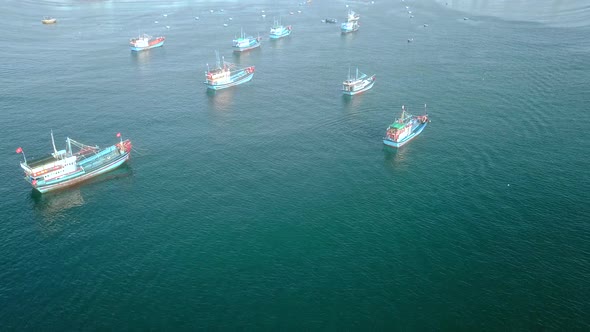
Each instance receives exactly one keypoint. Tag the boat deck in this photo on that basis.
(36, 162)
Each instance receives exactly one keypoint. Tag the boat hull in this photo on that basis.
(241, 80)
(138, 49)
(49, 21)
(279, 36)
(365, 88)
(85, 176)
(247, 48)
(413, 135)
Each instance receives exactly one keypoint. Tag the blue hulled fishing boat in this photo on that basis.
(226, 75)
(351, 23)
(245, 43)
(279, 31)
(64, 168)
(359, 83)
(405, 128)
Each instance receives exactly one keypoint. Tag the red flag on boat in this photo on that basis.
(19, 150)
(118, 134)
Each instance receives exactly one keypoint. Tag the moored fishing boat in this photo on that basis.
(64, 168)
(405, 128)
(48, 20)
(351, 23)
(226, 75)
(359, 83)
(145, 42)
(245, 43)
(279, 31)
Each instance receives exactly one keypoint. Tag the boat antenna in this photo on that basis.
(425, 109)
(53, 143)
(357, 73)
(349, 72)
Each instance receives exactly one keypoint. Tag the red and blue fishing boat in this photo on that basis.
(67, 167)
(226, 75)
(405, 128)
(145, 42)
(359, 83)
(245, 43)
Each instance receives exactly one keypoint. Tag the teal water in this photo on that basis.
(274, 205)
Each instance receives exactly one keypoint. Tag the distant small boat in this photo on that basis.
(226, 75)
(357, 84)
(145, 42)
(279, 31)
(246, 43)
(410, 40)
(329, 20)
(64, 168)
(405, 128)
(49, 20)
(465, 18)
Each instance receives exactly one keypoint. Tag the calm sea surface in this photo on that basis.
(274, 205)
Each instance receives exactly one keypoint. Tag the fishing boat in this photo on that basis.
(246, 43)
(48, 20)
(279, 31)
(64, 168)
(405, 128)
(351, 23)
(359, 83)
(329, 20)
(226, 75)
(145, 42)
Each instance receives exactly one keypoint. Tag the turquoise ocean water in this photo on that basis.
(274, 205)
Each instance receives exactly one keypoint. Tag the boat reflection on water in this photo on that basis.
(56, 206)
(221, 100)
(396, 157)
(141, 59)
(352, 103)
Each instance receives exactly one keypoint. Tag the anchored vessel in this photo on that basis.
(279, 31)
(351, 23)
(361, 82)
(245, 43)
(48, 20)
(64, 168)
(405, 128)
(226, 74)
(145, 42)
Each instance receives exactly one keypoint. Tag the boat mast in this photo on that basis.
(53, 143)
(69, 145)
(357, 73)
